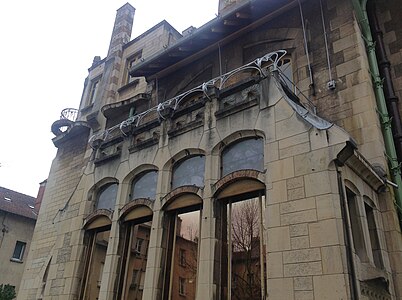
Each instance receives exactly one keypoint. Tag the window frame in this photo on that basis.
(234, 144)
(93, 90)
(131, 61)
(20, 257)
(179, 163)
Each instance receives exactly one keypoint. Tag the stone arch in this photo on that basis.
(352, 187)
(182, 155)
(236, 136)
(138, 209)
(128, 179)
(93, 191)
(239, 183)
(184, 196)
(98, 219)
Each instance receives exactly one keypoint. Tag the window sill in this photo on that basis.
(16, 260)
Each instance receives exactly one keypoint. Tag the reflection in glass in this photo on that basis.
(246, 154)
(189, 172)
(145, 186)
(184, 252)
(107, 197)
(285, 67)
(136, 260)
(245, 250)
(97, 261)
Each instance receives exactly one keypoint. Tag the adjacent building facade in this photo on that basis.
(17, 222)
(256, 157)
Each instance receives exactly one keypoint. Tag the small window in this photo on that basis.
(138, 245)
(189, 172)
(145, 186)
(94, 90)
(107, 197)
(182, 286)
(182, 257)
(246, 154)
(19, 251)
(7, 199)
(131, 62)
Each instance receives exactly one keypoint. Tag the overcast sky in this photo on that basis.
(46, 48)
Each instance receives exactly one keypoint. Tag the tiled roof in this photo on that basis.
(17, 203)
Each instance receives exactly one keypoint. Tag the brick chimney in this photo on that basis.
(122, 28)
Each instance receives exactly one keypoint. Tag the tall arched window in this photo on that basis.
(240, 218)
(245, 154)
(144, 186)
(189, 171)
(107, 197)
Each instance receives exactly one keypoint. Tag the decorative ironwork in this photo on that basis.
(69, 114)
(264, 66)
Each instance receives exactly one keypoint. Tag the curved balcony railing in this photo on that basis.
(69, 114)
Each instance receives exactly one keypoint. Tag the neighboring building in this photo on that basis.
(245, 159)
(17, 223)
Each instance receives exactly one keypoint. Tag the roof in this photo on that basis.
(17, 203)
(240, 19)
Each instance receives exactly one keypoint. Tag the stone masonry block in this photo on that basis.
(303, 283)
(294, 183)
(275, 265)
(304, 295)
(278, 239)
(302, 269)
(317, 184)
(323, 233)
(298, 205)
(298, 230)
(330, 287)
(304, 255)
(300, 242)
(281, 169)
(280, 289)
(299, 217)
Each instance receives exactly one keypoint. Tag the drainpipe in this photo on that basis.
(385, 71)
(361, 15)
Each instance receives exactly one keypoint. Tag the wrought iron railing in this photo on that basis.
(69, 114)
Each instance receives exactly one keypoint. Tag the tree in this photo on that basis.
(246, 263)
(7, 292)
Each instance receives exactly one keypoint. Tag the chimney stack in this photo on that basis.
(122, 28)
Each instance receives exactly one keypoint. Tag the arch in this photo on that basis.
(182, 155)
(236, 136)
(239, 183)
(144, 185)
(92, 192)
(352, 187)
(128, 179)
(246, 153)
(98, 219)
(136, 209)
(181, 197)
(189, 171)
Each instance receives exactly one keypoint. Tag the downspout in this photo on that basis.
(361, 15)
(385, 71)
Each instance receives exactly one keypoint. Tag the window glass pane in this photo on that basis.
(246, 154)
(19, 250)
(374, 239)
(185, 249)
(145, 186)
(286, 68)
(107, 197)
(99, 249)
(136, 260)
(243, 259)
(189, 172)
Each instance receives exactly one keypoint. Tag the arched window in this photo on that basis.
(144, 186)
(189, 171)
(245, 154)
(107, 197)
(137, 227)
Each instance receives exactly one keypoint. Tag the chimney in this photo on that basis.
(122, 28)
(39, 197)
